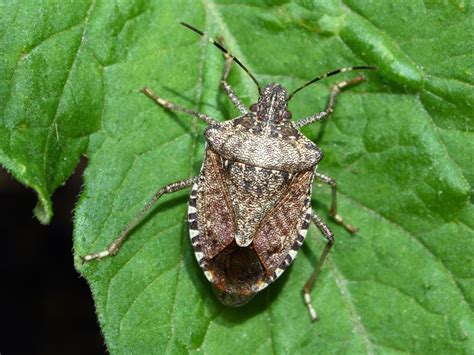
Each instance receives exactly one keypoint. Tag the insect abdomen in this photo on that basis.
(236, 273)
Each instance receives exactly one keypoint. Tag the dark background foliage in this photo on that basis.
(45, 305)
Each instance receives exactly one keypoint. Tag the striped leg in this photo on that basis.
(228, 89)
(333, 211)
(173, 107)
(114, 247)
(309, 284)
(336, 89)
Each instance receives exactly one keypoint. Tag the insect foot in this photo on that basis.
(250, 207)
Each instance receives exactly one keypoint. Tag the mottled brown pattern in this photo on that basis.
(248, 219)
(253, 192)
(236, 203)
(215, 216)
(260, 145)
(279, 229)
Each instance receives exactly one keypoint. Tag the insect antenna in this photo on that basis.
(331, 73)
(218, 45)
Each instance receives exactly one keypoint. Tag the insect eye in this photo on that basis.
(253, 108)
(287, 115)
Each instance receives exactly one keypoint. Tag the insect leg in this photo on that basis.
(173, 107)
(336, 89)
(228, 89)
(114, 247)
(333, 211)
(309, 284)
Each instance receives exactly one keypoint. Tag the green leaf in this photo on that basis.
(399, 145)
(48, 75)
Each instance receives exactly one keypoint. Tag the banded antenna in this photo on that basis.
(331, 73)
(218, 45)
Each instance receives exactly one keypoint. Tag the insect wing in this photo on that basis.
(284, 228)
(211, 222)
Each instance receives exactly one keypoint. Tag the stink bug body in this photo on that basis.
(250, 206)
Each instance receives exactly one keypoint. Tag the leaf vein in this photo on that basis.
(343, 290)
(156, 278)
(55, 118)
(194, 129)
(411, 236)
(440, 141)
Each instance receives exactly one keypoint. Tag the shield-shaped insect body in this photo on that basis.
(250, 207)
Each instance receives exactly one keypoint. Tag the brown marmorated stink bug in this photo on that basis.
(250, 206)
